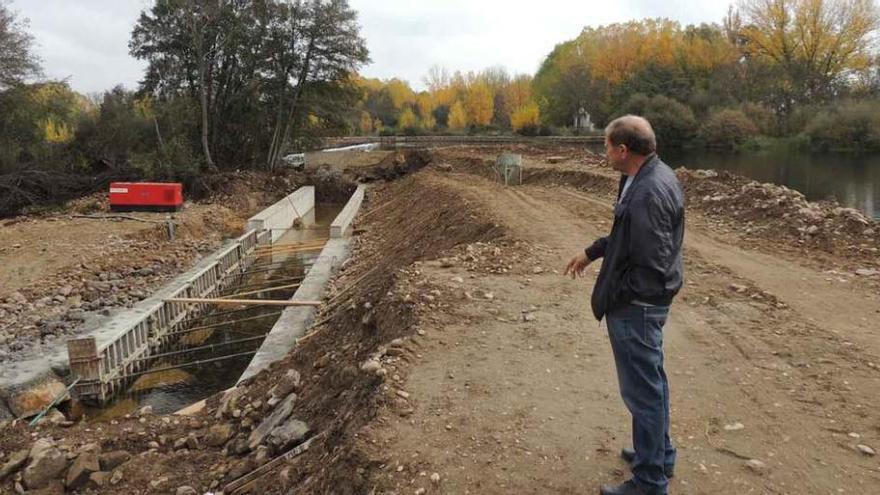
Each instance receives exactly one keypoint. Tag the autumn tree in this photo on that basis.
(480, 104)
(814, 43)
(458, 116)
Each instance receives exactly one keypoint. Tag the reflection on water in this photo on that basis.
(853, 180)
(173, 389)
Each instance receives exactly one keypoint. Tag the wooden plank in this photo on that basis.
(243, 484)
(243, 302)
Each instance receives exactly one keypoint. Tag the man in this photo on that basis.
(640, 275)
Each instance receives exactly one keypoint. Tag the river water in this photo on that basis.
(853, 180)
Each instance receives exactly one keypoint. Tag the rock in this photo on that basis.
(435, 478)
(192, 443)
(734, 427)
(281, 412)
(15, 462)
(186, 490)
(98, 479)
(458, 280)
(527, 317)
(153, 445)
(738, 288)
(289, 434)
(180, 443)
(812, 230)
(240, 469)
(371, 366)
(46, 463)
(146, 410)
(112, 460)
(31, 400)
(420, 491)
(218, 435)
(867, 272)
(116, 477)
(757, 466)
(866, 450)
(538, 270)
(290, 382)
(156, 483)
(262, 455)
(84, 465)
(239, 445)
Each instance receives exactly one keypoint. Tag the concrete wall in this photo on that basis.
(284, 213)
(341, 226)
(295, 321)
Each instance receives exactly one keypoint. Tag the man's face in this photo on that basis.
(616, 155)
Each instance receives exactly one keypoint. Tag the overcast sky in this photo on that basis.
(86, 41)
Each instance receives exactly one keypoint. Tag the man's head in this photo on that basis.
(628, 141)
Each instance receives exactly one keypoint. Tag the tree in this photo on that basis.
(458, 117)
(480, 104)
(258, 68)
(814, 43)
(526, 117)
(408, 120)
(17, 61)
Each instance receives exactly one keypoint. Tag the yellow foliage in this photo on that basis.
(400, 93)
(824, 37)
(407, 119)
(57, 132)
(480, 104)
(524, 116)
(458, 117)
(429, 122)
(425, 104)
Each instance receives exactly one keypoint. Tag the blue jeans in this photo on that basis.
(636, 334)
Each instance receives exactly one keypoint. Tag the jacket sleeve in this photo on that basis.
(649, 245)
(597, 249)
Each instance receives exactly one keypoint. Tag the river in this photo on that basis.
(854, 180)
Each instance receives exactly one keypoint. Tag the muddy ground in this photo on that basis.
(451, 356)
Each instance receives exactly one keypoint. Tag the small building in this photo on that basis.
(582, 121)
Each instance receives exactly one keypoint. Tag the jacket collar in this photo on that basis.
(650, 162)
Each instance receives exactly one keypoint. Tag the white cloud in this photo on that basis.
(87, 40)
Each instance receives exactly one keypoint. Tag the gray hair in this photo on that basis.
(634, 132)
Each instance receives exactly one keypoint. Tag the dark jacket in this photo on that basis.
(643, 251)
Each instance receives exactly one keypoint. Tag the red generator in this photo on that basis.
(146, 196)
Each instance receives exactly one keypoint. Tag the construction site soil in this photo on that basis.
(451, 356)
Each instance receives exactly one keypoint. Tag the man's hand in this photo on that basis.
(577, 265)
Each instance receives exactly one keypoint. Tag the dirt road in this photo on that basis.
(514, 389)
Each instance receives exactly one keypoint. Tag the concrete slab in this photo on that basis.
(282, 215)
(342, 224)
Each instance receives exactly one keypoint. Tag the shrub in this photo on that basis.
(848, 126)
(673, 122)
(727, 129)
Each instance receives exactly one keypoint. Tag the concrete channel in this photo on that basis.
(99, 364)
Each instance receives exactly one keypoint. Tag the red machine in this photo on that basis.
(145, 196)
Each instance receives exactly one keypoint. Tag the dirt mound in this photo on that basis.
(781, 214)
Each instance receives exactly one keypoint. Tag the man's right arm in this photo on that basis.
(597, 249)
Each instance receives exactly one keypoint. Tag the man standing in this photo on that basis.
(640, 275)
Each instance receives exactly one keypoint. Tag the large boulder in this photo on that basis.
(84, 465)
(46, 463)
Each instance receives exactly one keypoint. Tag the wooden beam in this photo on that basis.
(244, 302)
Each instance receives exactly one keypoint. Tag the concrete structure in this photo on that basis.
(295, 321)
(281, 216)
(405, 141)
(104, 359)
(341, 226)
(365, 148)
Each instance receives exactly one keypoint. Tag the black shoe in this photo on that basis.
(628, 488)
(629, 456)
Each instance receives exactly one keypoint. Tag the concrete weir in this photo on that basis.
(294, 321)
